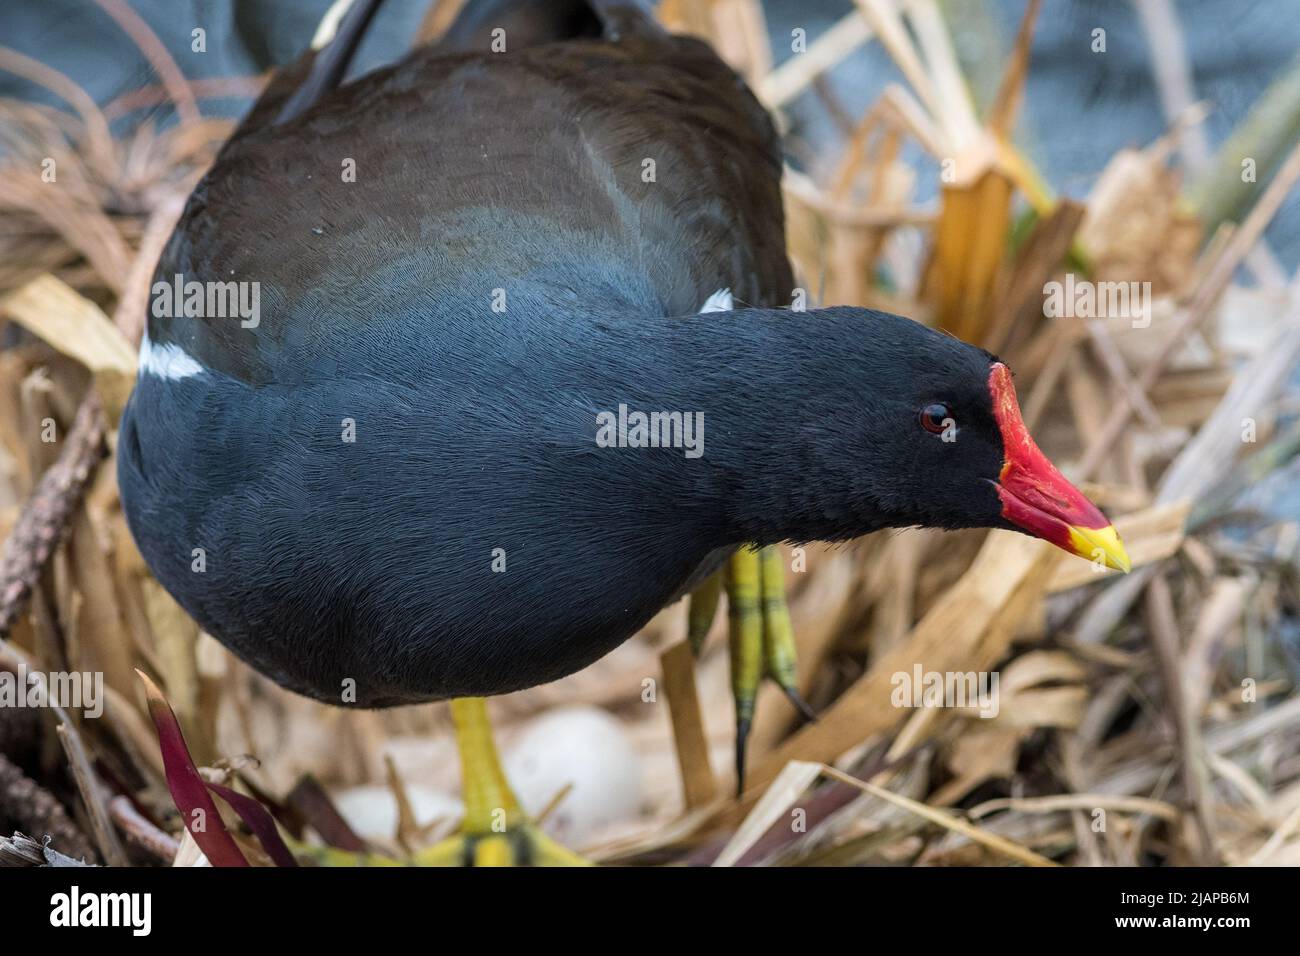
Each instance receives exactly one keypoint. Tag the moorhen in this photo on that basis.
(427, 407)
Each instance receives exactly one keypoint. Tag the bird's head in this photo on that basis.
(908, 426)
(947, 430)
(968, 430)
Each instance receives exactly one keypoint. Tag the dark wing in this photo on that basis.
(641, 144)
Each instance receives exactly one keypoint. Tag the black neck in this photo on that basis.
(781, 399)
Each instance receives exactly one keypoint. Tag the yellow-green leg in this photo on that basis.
(760, 635)
(745, 634)
(495, 830)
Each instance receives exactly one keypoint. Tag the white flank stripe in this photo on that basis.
(720, 301)
(166, 361)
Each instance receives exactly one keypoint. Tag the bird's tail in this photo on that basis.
(522, 23)
(525, 23)
(321, 68)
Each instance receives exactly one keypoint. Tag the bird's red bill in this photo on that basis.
(1036, 497)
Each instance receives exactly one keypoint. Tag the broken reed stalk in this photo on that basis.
(133, 306)
(1112, 360)
(797, 73)
(699, 784)
(98, 147)
(13, 659)
(1163, 620)
(436, 20)
(21, 850)
(47, 514)
(141, 831)
(34, 809)
(1207, 294)
(1173, 78)
(1201, 464)
(92, 795)
(943, 818)
(1011, 91)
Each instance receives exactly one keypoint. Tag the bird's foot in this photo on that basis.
(520, 844)
(495, 830)
(760, 634)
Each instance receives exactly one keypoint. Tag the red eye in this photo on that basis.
(936, 417)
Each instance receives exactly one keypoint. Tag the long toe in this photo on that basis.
(778, 632)
(745, 633)
(523, 844)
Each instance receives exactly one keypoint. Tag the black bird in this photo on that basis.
(409, 468)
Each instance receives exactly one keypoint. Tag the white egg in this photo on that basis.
(585, 747)
(371, 810)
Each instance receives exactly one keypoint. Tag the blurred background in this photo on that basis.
(946, 159)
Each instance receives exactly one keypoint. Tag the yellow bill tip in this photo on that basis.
(1100, 544)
